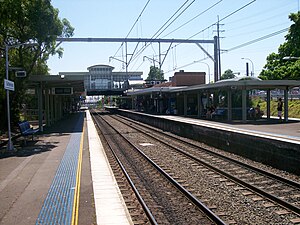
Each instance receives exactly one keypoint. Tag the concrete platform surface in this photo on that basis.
(27, 174)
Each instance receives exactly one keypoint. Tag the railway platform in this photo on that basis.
(62, 177)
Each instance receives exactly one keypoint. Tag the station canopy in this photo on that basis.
(76, 82)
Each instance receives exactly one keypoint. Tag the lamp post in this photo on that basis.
(9, 144)
(7, 47)
(208, 68)
(252, 72)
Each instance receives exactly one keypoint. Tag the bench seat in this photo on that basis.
(26, 130)
(219, 114)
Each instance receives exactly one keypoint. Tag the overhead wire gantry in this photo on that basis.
(214, 58)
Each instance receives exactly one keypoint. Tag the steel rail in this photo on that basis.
(258, 170)
(139, 197)
(195, 200)
(273, 198)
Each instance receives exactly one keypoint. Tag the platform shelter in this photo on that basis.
(195, 100)
(56, 96)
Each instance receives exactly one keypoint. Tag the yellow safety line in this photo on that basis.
(77, 188)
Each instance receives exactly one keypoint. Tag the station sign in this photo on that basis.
(9, 85)
(62, 91)
(21, 74)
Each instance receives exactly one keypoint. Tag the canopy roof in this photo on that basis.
(240, 83)
(51, 81)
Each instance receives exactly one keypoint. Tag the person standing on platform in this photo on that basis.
(279, 108)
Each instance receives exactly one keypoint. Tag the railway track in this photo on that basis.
(276, 195)
(163, 199)
(279, 189)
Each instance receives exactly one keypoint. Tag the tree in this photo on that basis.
(228, 74)
(25, 21)
(277, 68)
(155, 73)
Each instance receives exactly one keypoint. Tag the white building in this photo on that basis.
(100, 79)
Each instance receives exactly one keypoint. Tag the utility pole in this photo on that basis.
(216, 63)
(218, 51)
(219, 48)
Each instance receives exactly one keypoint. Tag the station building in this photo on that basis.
(101, 80)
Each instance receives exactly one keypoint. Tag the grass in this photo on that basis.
(294, 107)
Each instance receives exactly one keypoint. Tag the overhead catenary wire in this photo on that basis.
(172, 17)
(258, 13)
(257, 31)
(238, 46)
(166, 25)
(138, 18)
(230, 14)
(206, 10)
(258, 39)
(175, 18)
(227, 16)
(194, 18)
(245, 25)
(243, 44)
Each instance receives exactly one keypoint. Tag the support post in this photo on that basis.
(40, 106)
(52, 109)
(185, 104)
(219, 49)
(47, 109)
(159, 49)
(268, 104)
(199, 105)
(10, 145)
(229, 105)
(216, 62)
(244, 105)
(286, 105)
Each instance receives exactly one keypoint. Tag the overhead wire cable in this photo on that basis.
(194, 18)
(258, 13)
(237, 47)
(175, 18)
(239, 9)
(133, 26)
(259, 30)
(165, 24)
(234, 12)
(172, 17)
(258, 39)
(147, 44)
(255, 23)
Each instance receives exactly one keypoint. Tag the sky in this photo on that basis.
(241, 22)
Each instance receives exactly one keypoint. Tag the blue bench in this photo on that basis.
(219, 114)
(26, 129)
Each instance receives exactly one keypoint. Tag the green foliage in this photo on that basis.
(277, 68)
(28, 21)
(155, 73)
(294, 107)
(228, 74)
